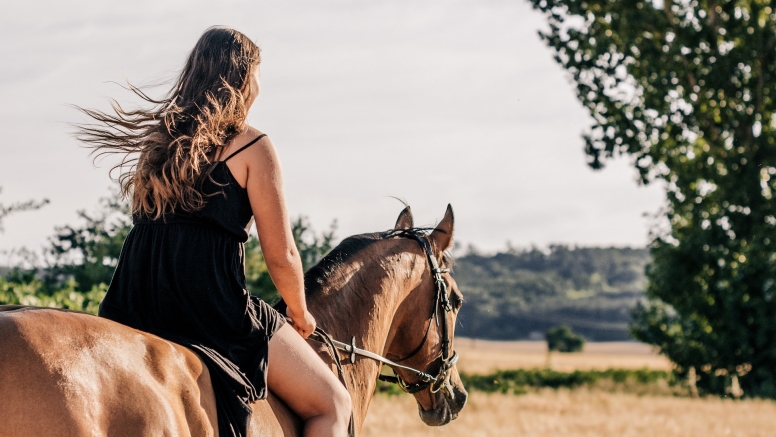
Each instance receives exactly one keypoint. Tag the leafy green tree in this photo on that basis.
(686, 89)
(25, 289)
(88, 253)
(312, 247)
(562, 339)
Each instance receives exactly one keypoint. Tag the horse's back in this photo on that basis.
(67, 373)
(72, 374)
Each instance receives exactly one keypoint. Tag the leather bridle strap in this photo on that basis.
(442, 298)
(322, 337)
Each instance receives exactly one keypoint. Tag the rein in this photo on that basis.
(449, 358)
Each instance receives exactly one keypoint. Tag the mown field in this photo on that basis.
(482, 356)
(586, 411)
(578, 413)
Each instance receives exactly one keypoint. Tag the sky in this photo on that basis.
(432, 102)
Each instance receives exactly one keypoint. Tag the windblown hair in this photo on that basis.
(168, 148)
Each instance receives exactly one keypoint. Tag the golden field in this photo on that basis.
(483, 356)
(578, 413)
(582, 412)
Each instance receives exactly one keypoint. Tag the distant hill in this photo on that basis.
(521, 294)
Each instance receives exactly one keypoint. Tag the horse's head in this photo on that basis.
(422, 331)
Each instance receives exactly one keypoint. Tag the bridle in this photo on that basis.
(434, 383)
(449, 356)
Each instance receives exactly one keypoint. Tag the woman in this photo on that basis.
(197, 174)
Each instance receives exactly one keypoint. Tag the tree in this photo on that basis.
(21, 289)
(89, 253)
(685, 89)
(562, 339)
(312, 247)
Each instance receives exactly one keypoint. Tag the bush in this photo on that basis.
(518, 381)
(562, 339)
(34, 292)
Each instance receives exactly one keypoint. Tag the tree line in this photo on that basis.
(520, 294)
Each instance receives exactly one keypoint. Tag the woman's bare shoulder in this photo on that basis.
(262, 153)
(263, 145)
(251, 132)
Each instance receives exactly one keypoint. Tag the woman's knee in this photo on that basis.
(341, 401)
(336, 405)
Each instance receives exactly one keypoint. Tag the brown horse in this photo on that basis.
(66, 373)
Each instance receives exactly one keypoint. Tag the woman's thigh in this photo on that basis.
(298, 376)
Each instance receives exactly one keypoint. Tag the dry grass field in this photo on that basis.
(579, 413)
(483, 356)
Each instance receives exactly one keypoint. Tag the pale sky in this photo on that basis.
(434, 102)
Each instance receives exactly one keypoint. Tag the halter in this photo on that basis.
(427, 381)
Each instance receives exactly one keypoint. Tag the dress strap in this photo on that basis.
(245, 147)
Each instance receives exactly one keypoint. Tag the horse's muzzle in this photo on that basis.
(449, 401)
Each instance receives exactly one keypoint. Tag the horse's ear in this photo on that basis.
(405, 219)
(442, 236)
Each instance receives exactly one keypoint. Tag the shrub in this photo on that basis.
(562, 339)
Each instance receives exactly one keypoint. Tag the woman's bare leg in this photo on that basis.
(298, 376)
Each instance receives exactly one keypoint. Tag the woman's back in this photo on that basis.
(181, 277)
(226, 206)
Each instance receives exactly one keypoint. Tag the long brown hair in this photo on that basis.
(167, 148)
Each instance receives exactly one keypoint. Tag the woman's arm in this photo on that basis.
(265, 191)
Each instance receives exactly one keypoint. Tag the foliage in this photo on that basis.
(257, 278)
(312, 247)
(31, 291)
(562, 339)
(89, 253)
(519, 380)
(29, 205)
(685, 88)
(519, 294)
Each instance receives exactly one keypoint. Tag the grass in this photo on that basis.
(610, 389)
(578, 413)
(519, 366)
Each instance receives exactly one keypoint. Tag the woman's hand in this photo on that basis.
(302, 321)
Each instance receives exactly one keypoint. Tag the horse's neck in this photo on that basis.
(363, 309)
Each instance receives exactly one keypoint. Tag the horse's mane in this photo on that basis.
(316, 277)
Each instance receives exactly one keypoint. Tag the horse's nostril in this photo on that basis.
(460, 396)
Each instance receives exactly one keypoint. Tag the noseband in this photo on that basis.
(449, 357)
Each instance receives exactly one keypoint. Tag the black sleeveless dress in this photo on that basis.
(183, 278)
